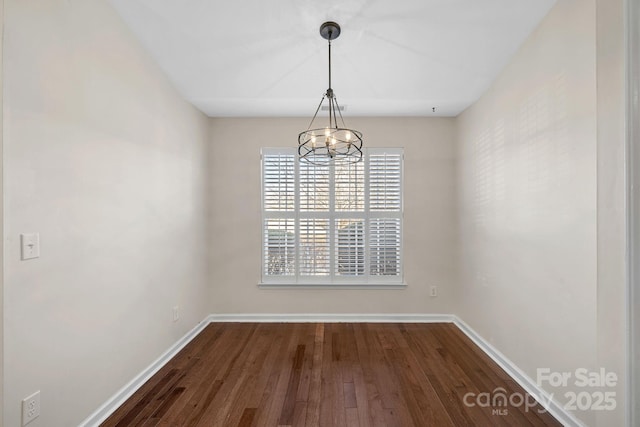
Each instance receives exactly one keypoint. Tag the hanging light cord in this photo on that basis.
(330, 91)
(330, 33)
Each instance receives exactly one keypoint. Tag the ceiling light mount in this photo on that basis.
(335, 142)
(330, 30)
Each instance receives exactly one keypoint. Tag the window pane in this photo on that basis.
(384, 182)
(350, 247)
(314, 247)
(279, 182)
(384, 246)
(279, 243)
(314, 188)
(349, 191)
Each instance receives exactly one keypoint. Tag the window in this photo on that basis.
(332, 224)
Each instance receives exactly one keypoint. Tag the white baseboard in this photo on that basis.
(530, 386)
(527, 383)
(333, 318)
(103, 412)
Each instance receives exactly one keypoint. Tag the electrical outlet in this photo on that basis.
(176, 313)
(30, 408)
(434, 291)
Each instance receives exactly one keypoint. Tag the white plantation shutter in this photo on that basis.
(385, 218)
(332, 224)
(314, 188)
(350, 248)
(279, 183)
(280, 247)
(349, 187)
(278, 207)
(314, 249)
(384, 246)
(385, 181)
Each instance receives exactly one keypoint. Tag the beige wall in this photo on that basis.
(528, 202)
(429, 215)
(107, 163)
(612, 304)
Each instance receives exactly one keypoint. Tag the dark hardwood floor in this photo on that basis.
(329, 375)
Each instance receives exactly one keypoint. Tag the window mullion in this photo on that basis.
(263, 225)
(332, 222)
(367, 216)
(296, 224)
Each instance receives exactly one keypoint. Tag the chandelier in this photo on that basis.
(334, 142)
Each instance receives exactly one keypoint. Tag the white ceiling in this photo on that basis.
(252, 58)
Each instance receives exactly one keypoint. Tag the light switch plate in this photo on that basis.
(30, 243)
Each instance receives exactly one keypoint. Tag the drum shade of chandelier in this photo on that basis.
(334, 142)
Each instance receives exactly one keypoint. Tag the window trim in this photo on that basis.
(332, 281)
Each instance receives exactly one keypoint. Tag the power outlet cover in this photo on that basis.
(30, 408)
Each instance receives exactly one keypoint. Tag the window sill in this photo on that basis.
(311, 285)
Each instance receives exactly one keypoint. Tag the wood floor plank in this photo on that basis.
(315, 384)
(133, 411)
(326, 375)
(198, 393)
(307, 364)
(332, 397)
(282, 368)
(206, 384)
(366, 389)
(395, 400)
(299, 414)
(218, 411)
(242, 395)
(246, 420)
(428, 406)
(377, 413)
(349, 391)
(351, 415)
(267, 377)
(286, 416)
(377, 369)
(132, 407)
(450, 381)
